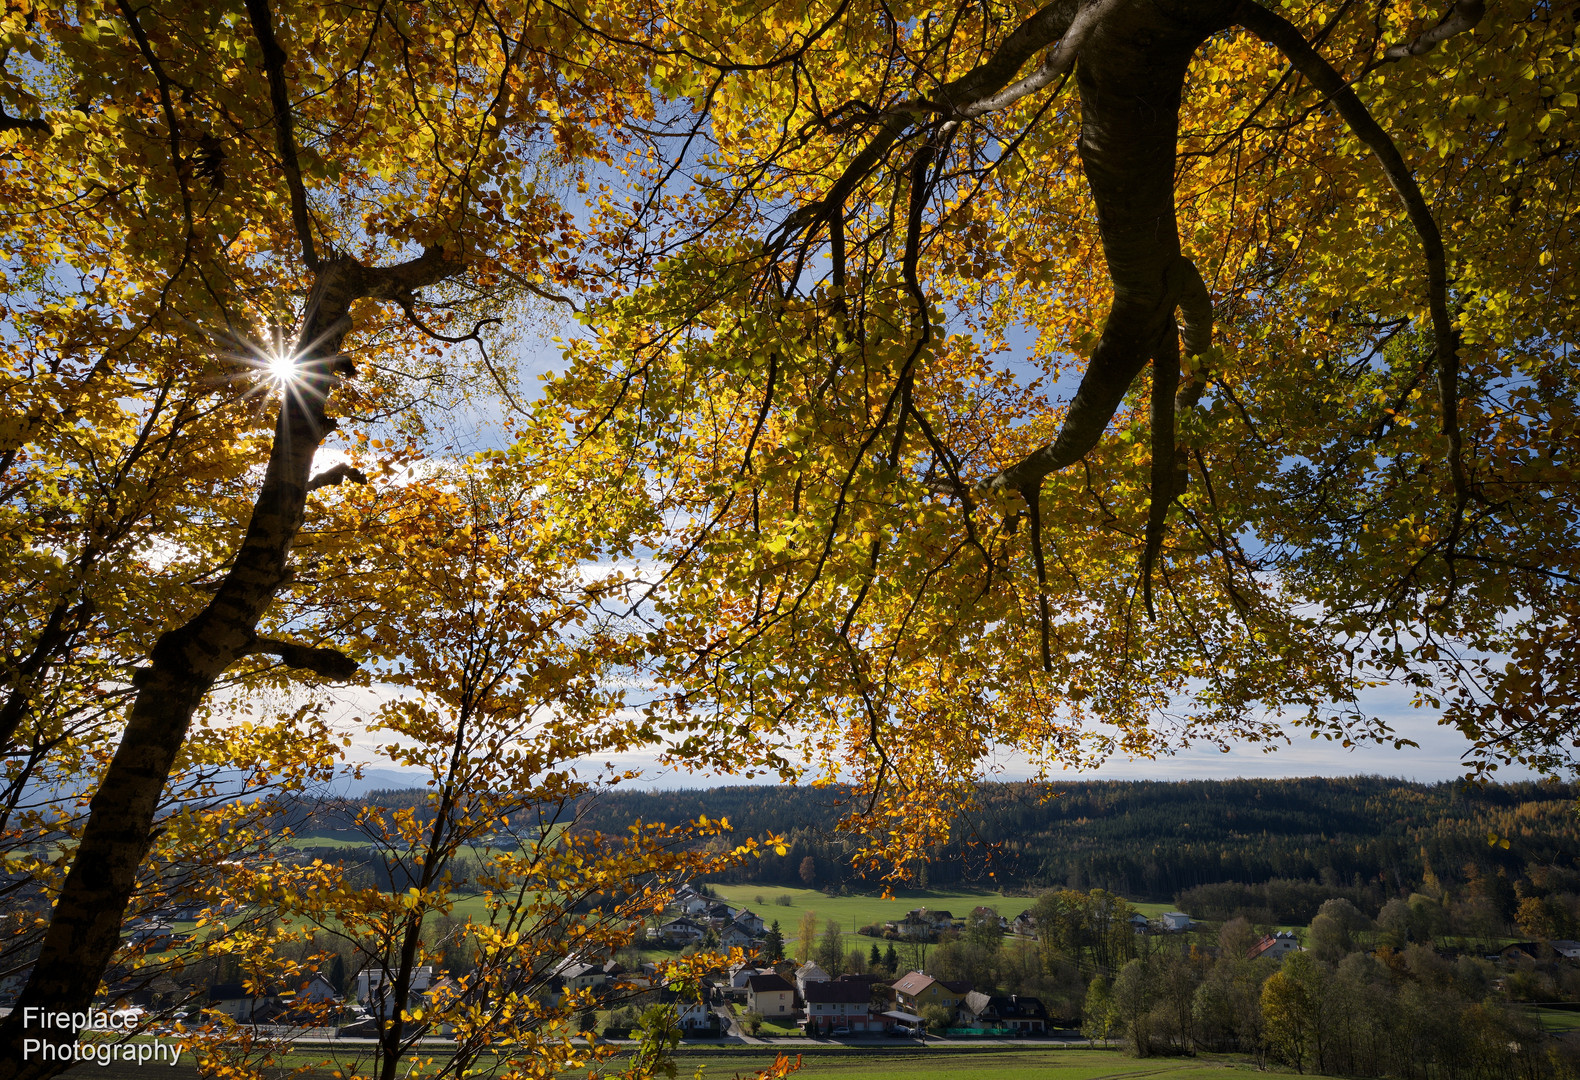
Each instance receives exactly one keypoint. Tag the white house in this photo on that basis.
(744, 970)
(734, 936)
(691, 1012)
(834, 1007)
(1176, 922)
(1274, 946)
(678, 930)
(808, 972)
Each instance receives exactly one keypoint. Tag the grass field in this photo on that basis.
(854, 912)
(1558, 1021)
(934, 1062)
(941, 1062)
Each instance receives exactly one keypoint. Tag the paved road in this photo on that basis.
(731, 1026)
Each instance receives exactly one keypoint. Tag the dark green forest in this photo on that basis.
(1157, 840)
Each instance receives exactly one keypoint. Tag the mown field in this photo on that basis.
(960, 1064)
(853, 912)
(828, 1063)
(1558, 1021)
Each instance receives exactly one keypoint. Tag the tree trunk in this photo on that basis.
(84, 931)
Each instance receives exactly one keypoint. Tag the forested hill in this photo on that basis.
(1153, 839)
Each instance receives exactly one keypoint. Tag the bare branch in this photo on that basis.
(976, 89)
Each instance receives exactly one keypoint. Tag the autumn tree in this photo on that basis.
(806, 938)
(1096, 377)
(233, 236)
(467, 589)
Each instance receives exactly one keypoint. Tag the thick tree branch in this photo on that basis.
(1462, 17)
(1165, 381)
(339, 474)
(1131, 76)
(974, 90)
(24, 123)
(285, 138)
(1061, 59)
(330, 663)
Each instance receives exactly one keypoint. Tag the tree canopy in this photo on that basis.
(1101, 376)
(968, 378)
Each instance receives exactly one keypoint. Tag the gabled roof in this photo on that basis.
(1005, 1006)
(977, 1002)
(1268, 941)
(759, 984)
(837, 993)
(913, 983)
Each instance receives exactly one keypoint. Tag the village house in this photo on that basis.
(239, 1003)
(679, 931)
(734, 936)
(770, 995)
(809, 972)
(576, 975)
(1018, 1013)
(691, 1012)
(984, 914)
(1274, 946)
(310, 998)
(918, 989)
(1025, 924)
(1176, 922)
(745, 969)
(753, 924)
(921, 923)
(691, 903)
(372, 991)
(840, 1008)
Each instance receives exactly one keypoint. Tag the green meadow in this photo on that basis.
(853, 912)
